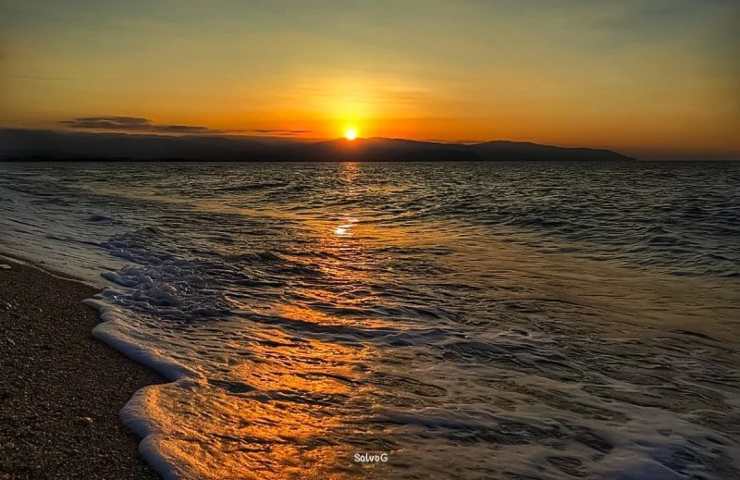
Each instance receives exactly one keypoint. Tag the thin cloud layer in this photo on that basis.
(137, 124)
(140, 124)
(279, 132)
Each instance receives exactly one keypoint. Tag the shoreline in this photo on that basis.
(63, 389)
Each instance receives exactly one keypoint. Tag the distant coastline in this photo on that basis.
(52, 145)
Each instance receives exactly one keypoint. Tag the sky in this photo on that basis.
(646, 77)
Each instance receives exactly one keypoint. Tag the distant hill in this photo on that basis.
(503, 150)
(21, 144)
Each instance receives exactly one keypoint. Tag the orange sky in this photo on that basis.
(638, 75)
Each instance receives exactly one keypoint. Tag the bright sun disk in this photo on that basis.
(350, 133)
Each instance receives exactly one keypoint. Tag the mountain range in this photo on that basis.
(26, 144)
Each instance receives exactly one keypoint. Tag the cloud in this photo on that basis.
(137, 124)
(144, 125)
(279, 132)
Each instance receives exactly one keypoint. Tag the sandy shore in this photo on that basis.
(61, 389)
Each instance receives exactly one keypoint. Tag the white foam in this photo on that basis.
(112, 331)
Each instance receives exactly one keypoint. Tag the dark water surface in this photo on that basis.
(518, 320)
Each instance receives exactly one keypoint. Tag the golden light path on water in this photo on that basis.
(304, 406)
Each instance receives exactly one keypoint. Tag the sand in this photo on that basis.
(61, 390)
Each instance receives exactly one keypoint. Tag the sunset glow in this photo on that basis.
(581, 74)
(350, 134)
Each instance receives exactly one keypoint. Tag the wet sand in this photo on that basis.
(61, 389)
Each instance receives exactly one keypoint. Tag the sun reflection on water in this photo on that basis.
(285, 413)
(295, 407)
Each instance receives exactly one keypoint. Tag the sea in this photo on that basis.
(408, 320)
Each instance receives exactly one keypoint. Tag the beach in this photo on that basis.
(62, 389)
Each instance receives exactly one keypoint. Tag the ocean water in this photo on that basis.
(404, 321)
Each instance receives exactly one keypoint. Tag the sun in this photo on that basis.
(350, 133)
